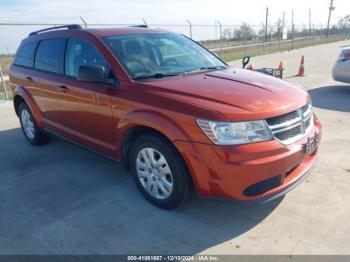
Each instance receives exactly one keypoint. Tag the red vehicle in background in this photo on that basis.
(168, 109)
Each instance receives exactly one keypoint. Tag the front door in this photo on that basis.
(86, 112)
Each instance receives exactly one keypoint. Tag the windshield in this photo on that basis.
(156, 55)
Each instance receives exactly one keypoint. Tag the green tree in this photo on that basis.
(344, 22)
(245, 31)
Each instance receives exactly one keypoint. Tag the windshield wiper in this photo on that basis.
(156, 75)
(212, 67)
(205, 68)
(161, 75)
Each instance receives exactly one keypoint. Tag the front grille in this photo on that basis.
(307, 123)
(283, 118)
(263, 186)
(292, 126)
(289, 171)
(306, 108)
(289, 133)
(268, 184)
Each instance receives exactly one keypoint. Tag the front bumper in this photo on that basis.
(253, 172)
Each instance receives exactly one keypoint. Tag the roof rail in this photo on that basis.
(143, 26)
(74, 26)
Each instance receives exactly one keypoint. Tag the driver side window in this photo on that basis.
(81, 53)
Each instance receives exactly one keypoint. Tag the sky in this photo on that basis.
(168, 12)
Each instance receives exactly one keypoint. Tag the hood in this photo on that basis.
(234, 92)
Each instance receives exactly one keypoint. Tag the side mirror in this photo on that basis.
(95, 74)
(245, 61)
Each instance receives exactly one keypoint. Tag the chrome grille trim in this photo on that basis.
(285, 128)
(292, 126)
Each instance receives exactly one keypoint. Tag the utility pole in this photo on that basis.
(221, 38)
(331, 8)
(309, 21)
(279, 33)
(266, 20)
(283, 23)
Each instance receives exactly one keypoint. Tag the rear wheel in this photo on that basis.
(29, 127)
(159, 171)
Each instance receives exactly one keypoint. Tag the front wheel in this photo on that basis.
(29, 127)
(159, 171)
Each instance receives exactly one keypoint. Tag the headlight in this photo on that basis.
(235, 133)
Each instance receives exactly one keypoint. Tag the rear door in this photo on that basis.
(86, 113)
(48, 65)
(22, 72)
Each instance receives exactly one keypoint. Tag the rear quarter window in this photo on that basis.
(25, 55)
(49, 55)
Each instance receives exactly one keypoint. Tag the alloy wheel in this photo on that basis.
(154, 173)
(28, 124)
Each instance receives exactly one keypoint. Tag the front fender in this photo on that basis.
(156, 120)
(151, 119)
(21, 93)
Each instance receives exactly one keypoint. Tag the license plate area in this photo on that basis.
(311, 144)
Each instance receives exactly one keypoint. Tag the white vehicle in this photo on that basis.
(341, 69)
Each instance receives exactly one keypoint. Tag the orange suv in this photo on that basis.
(168, 109)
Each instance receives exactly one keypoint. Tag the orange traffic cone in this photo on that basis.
(301, 68)
(280, 66)
(250, 67)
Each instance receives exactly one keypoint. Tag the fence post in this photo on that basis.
(292, 29)
(245, 44)
(279, 38)
(221, 39)
(190, 25)
(3, 83)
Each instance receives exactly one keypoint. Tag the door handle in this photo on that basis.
(62, 88)
(29, 79)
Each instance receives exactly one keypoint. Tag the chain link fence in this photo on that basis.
(230, 42)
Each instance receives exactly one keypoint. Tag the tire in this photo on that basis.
(29, 126)
(168, 174)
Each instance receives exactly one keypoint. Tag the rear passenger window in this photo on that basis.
(49, 55)
(25, 55)
(81, 53)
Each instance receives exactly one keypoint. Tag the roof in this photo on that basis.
(100, 32)
(122, 31)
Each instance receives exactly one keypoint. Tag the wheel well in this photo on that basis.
(137, 131)
(17, 101)
(131, 136)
